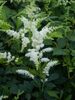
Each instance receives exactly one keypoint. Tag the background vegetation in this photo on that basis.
(61, 80)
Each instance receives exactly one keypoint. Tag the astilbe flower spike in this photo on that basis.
(36, 40)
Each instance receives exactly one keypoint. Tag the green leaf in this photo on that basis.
(14, 89)
(6, 12)
(56, 35)
(61, 42)
(73, 52)
(54, 76)
(71, 36)
(4, 25)
(58, 51)
(69, 97)
(73, 84)
(53, 94)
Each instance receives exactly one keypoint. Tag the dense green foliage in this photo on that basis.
(61, 80)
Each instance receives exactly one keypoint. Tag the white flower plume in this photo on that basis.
(48, 66)
(13, 33)
(34, 56)
(47, 49)
(7, 56)
(25, 72)
(25, 41)
(44, 59)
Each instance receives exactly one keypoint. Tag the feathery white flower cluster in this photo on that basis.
(25, 41)
(37, 42)
(27, 24)
(7, 56)
(18, 35)
(44, 60)
(47, 50)
(36, 55)
(48, 66)
(13, 33)
(37, 36)
(25, 72)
